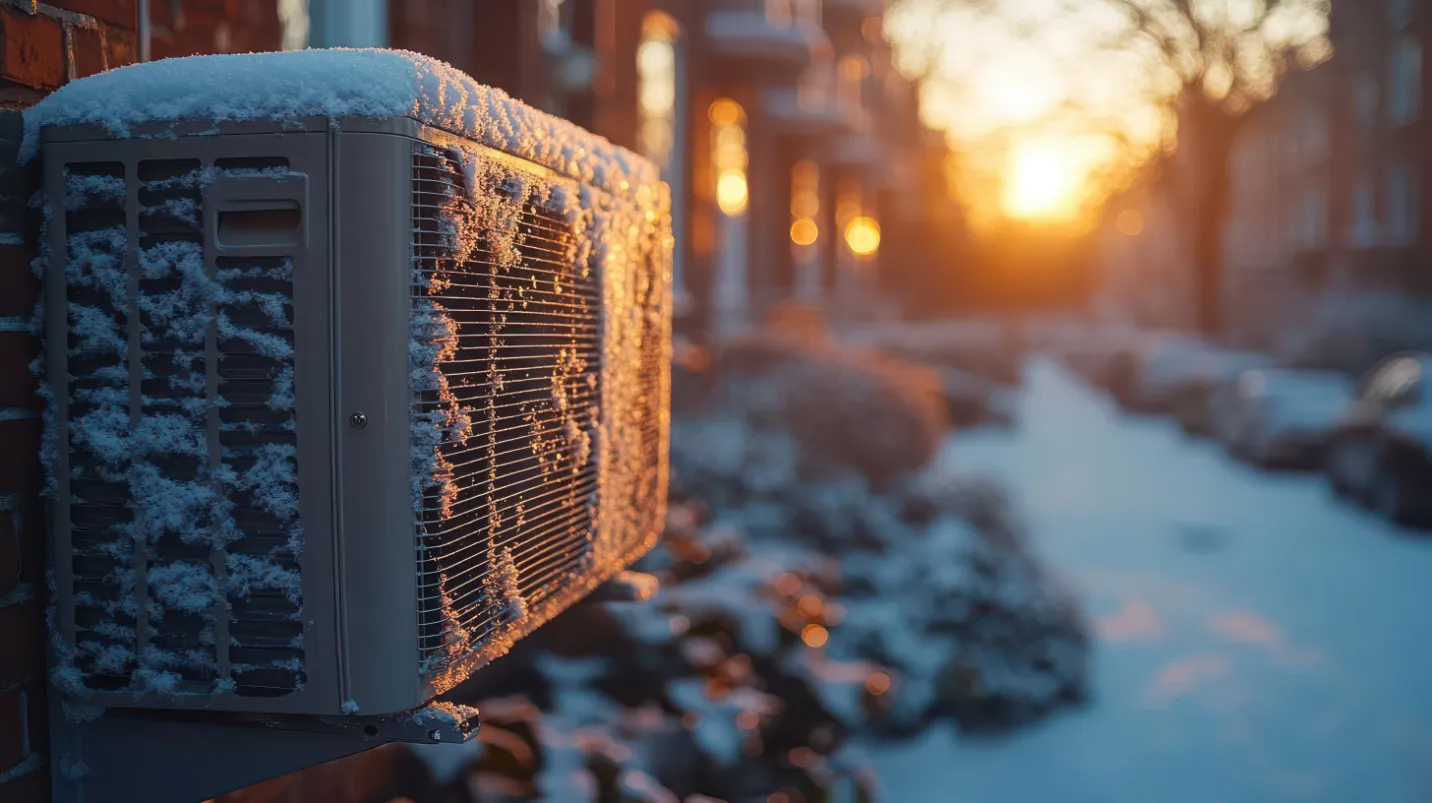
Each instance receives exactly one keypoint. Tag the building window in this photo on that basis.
(1364, 213)
(293, 17)
(1366, 100)
(656, 87)
(853, 72)
(778, 13)
(1316, 135)
(1399, 13)
(554, 19)
(1402, 205)
(805, 203)
(729, 156)
(1405, 88)
(806, 11)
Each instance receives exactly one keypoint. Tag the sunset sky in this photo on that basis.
(1048, 103)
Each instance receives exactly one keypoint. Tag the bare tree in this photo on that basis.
(1216, 59)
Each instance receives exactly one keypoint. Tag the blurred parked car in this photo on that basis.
(1194, 393)
(1146, 376)
(1381, 454)
(1282, 419)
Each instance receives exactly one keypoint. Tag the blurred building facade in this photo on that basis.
(793, 147)
(1327, 181)
(1279, 236)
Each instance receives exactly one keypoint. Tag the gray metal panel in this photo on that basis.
(307, 153)
(373, 192)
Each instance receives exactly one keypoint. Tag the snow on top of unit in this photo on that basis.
(371, 83)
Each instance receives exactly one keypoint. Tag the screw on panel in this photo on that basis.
(358, 420)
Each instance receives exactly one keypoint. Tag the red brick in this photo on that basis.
(18, 286)
(12, 730)
(124, 13)
(17, 384)
(89, 49)
(20, 456)
(100, 50)
(32, 787)
(22, 629)
(123, 45)
(34, 52)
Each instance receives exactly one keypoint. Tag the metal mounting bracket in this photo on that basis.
(135, 756)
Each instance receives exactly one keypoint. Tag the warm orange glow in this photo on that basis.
(659, 25)
(814, 635)
(1040, 183)
(804, 232)
(725, 112)
(1130, 222)
(854, 68)
(729, 156)
(805, 204)
(862, 236)
(810, 605)
(731, 193)
(878, 683)
(788, 584)
(801, 757)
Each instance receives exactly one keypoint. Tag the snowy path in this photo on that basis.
(1258, 641)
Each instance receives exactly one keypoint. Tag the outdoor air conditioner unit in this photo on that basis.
(342, 404)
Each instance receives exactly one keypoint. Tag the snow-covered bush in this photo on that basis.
(797, 610)
(848, 412)
(991, 350)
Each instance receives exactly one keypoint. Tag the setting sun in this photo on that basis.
(1040, 183)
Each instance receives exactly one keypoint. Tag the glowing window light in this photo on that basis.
(729, 156)
(805, 202)
(725, 112)
(656, 86)
(804, 232)
(862, 236)
(731, 192)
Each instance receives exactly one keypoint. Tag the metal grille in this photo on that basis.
(181, 425)
(101, 509)
(515, 510)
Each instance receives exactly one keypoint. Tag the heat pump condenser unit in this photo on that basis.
(341, 404)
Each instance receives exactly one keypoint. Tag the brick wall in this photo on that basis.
(44, 46)
(214, 26)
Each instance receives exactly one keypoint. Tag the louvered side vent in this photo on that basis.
(101, 505)
(506, 367)
(181, 442)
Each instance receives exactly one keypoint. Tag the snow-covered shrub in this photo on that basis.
(849, 412)
(793, 614)
(991, 350)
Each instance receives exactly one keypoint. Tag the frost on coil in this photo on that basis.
(512, 366)
(163, 507)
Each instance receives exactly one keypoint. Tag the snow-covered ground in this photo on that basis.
(1258, 640)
